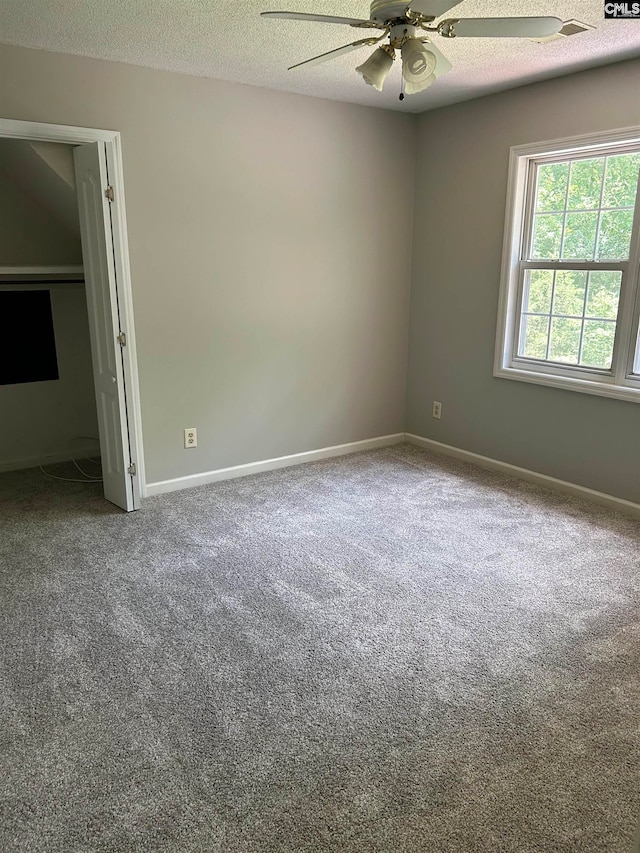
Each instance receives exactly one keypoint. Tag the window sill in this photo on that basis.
(570, 383)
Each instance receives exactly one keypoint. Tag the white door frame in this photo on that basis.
(10, 128)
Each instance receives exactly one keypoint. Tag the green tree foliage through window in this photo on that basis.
(584, 208)
(568, 316)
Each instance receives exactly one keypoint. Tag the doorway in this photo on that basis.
(105, 268)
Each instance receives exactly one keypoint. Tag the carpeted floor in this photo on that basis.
(391, 651)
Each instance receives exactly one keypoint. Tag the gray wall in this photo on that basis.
(29, 234)
(458, 229)
(270, 244)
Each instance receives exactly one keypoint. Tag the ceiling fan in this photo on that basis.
(404, 24)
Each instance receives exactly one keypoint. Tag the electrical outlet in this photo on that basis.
(437, 410)
(191, 437)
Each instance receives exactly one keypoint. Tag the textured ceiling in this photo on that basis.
(229, 41)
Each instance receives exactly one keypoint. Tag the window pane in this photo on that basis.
(537, 298)
(621, 180)
(568, 297)
(564, 343)
(580, 235)
(603, 295)
(585, 184)
(552, 186)
(615, 234)
(547, 235)
(597, 343)
(533, 341)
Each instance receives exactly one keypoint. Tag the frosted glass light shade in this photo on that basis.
(413, 88)
(418, 65)
(376, 69)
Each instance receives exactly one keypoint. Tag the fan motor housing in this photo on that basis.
(386, 10)
(400, 33)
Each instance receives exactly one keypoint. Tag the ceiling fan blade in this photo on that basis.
(432, 8)
(327, 19)
(334, 54)
(506, 27)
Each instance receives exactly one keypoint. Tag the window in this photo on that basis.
(569, 299)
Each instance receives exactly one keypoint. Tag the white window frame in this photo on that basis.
(623, 380)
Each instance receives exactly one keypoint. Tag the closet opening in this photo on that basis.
(69, 401)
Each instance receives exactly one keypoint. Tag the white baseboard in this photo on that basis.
(563, 486)
(618, 504)
(202, 479)
(80, 451)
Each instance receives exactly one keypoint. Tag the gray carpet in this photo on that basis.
(391, 651)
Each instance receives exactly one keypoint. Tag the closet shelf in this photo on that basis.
(42, 275)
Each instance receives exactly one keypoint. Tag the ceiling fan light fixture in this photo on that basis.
(418, 66)
(376, 69)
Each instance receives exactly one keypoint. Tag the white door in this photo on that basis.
(104, 324)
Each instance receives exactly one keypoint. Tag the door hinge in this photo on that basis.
(122, 339)
(132, 469)
(109, 194)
